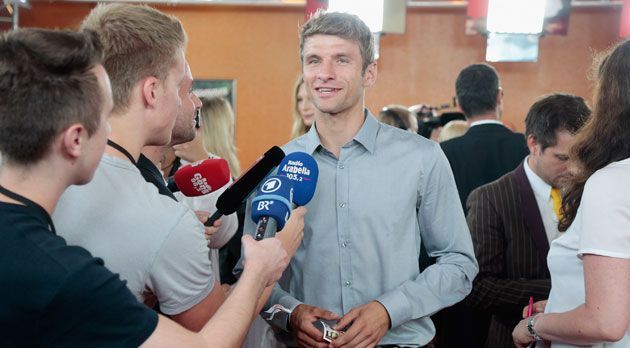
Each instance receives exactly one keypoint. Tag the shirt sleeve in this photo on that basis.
(94, 308)
(445, 234)
(605, 214)
(181, 274)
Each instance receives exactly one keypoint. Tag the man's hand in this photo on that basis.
(367, 326)
(293, 232)
(209, 230)
(266, 258)
(301, 323)
(539, 307)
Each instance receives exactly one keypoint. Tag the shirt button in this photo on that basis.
(348, 284)
(344, 244)
(341, 166)
(342, 204)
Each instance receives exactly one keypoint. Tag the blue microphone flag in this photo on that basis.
(301, 168)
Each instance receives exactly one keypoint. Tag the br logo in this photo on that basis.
(271, 185)
(264, 205)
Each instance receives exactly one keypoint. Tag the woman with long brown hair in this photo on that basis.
(589, 303)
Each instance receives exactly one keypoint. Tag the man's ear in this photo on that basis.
(532, 144)
(500, 97)
(73, 140)
(150, 87)
(369, 77)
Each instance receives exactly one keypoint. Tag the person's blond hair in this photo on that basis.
(398, 116)
(217, 124)
(138, 41)
(453, 129)
(299, 127)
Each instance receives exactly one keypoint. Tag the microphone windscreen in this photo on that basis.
(273, 199)
(230, 200)
(303, 171)
(202, 177)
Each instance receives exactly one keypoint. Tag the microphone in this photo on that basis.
(301, 168)
(229, 201)
(271, 207)
(200, 178)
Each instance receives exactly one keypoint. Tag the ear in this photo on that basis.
(500, 97)
(150, 87)
(369, 77)
(533, 145)
(72, 140)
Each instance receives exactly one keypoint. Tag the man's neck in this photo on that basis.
(155, 154)
(483, 117)
(37, 183)
(127, 135)
(337, 130)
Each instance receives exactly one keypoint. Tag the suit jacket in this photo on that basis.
(483, 154)
(511, 247)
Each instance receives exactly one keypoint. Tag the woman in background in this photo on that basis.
(589, 302)
(303, 111)
(214, 139)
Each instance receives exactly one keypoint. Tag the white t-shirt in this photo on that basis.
(155, 243)
(601, 227)
(229, 223)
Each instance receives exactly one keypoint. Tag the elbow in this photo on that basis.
(612, 333)
(611, 330)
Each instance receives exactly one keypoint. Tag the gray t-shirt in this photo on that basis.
(155, 243)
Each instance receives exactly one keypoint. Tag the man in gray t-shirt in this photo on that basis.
(156, 244)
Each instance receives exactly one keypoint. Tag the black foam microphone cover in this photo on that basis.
(230, 200)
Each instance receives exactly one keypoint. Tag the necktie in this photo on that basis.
(557, 202)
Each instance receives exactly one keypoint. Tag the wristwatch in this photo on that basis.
(530, 327)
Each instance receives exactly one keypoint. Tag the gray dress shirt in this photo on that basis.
(388, 190)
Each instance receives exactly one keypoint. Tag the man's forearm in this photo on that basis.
(233, 319)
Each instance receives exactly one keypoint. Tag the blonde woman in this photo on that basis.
(303, 111)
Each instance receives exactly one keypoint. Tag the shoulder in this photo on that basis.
(604, 183)
(297, 144)
(498, 187)
(392, 136)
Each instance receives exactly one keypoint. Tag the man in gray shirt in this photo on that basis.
(381, 192)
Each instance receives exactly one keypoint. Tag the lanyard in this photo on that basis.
(123, 151)
(27, 202)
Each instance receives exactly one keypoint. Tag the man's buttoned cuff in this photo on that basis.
(397, 306)
(289, 303)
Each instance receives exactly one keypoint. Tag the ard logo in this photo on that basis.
(271, 185)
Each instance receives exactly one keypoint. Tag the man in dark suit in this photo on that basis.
(513, 220)
(489, 149)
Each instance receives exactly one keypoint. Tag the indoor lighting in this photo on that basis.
(516, 16)
(370, 11)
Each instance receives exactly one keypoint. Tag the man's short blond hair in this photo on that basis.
(138, 41)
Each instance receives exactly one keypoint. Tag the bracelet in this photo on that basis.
(530, 327)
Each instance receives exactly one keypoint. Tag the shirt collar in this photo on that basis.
(479, 123)
(539, 186)
(366, 135)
